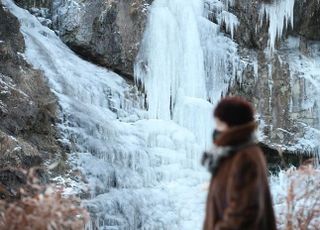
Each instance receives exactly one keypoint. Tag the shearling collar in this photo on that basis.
(236, 135)
(228, 144)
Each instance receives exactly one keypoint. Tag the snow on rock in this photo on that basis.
(306, 68)
(221, 14)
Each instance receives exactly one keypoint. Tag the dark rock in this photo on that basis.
(11, 180)
(16, 153)
(28, 109)
(307, 19)
(282, 160)
(106, 32)
(249, 33)
(42, 9)
(29, 4)
(266, 80)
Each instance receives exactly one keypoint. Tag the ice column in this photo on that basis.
(170, 64)
(171, 58)
(280, 15)
(185, 61)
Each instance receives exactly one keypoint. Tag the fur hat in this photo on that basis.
(234, 111)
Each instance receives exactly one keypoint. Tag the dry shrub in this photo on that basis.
(297, 198)
(41, 207)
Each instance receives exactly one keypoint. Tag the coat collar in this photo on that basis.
(237, 135)
(213, 158)
(229, 143)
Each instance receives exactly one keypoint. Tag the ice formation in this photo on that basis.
(184, 62)
(279, 14)
(306, 70)
(140, 171)
(173, 65)
(143, 167)
(230, 20)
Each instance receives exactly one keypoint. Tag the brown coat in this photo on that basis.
(239, 196)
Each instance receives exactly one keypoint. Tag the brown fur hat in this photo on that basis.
(234, 111)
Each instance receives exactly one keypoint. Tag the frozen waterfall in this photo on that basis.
(183, 63)
(141, 167)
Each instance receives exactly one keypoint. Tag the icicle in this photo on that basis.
(280, 16)
(184, 59)
(171, 57)
(230, 20)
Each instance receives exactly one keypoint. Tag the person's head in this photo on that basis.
(231, 112)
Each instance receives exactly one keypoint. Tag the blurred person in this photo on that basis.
(239, 196)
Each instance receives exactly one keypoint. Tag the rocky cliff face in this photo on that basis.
(27, 107)
(307, 19)
(105, 32)
(271, 82)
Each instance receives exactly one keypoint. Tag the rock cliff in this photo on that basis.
(28, 109)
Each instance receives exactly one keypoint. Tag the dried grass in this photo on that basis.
(299, 206)
(41, 207)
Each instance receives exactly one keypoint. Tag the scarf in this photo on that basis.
(212, 159)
